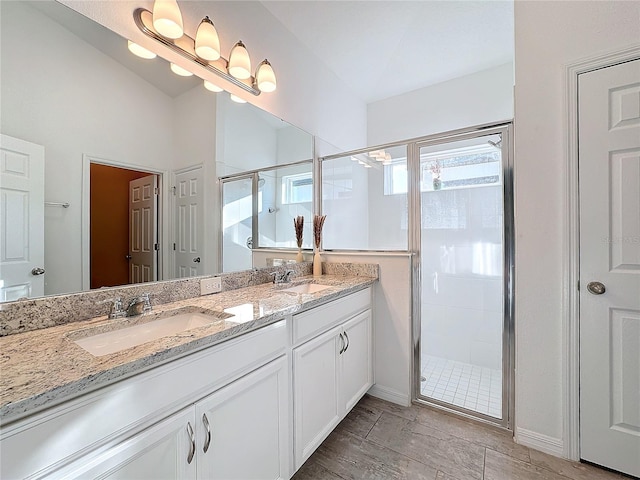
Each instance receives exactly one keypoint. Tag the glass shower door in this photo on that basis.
(463, 340)
(237, 224)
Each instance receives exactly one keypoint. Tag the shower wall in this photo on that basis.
(462, 281)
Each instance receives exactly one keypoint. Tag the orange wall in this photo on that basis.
(110, 224)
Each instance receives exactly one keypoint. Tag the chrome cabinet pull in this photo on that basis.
(207, 440)
(348, 341)
(192, 447)
(341, 345)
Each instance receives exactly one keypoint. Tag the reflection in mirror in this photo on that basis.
(84, 108)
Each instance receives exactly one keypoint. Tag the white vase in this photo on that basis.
(317, 264)
(299, 256)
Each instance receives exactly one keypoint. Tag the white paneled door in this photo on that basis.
(189, 217)
(21, 219)
(143, 229)
(609, 179)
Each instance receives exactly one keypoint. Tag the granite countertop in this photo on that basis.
(42, 368)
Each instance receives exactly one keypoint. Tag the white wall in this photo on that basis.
(74, 100)
(481, 97)
(549, 35)
(309, 95)
(195, 144)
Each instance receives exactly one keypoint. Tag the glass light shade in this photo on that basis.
(167, 19)
(236, 98)
(139, 51)
(207, 41)
(178, 70)
(212, 87)
(239, 62)
(265, 77)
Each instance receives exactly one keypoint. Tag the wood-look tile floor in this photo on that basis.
(380, 440)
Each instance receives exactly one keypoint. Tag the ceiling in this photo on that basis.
(384, 48)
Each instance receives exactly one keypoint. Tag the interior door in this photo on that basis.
(609, 179)
(189, 215)
(21, 219)
(143, 230)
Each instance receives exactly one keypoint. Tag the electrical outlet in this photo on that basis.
(210, 285)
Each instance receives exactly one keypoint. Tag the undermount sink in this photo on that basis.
(154, 326)
(307, 288)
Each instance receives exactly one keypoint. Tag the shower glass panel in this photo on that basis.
(237, 218)
(286, 193)
(462, 276)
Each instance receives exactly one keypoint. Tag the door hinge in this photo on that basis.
(156, 246)
(155, 190)
(174, 246)
(578, 285)
(173, 190)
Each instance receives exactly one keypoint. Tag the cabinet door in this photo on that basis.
(243, 429)
(315, 392)
(159, 452)
(356, 374)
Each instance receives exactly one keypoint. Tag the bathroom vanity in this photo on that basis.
(250, 395)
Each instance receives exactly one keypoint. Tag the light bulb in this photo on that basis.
(265, 77)
(236, 98)
(180, 71)
(140, 51)
(167, 19)
(212, 87)
(207, 41)
(239, 62)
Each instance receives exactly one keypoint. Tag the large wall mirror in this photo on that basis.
(110, 163)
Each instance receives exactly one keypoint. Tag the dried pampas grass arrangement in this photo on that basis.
(318, 222)
(298, 225)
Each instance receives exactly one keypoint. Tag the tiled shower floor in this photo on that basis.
(462, 384)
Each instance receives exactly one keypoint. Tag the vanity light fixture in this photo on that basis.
(178, 70)
(140, 51)
(167, 19)
(239, 62)
(212, 87)
(207, 44)
(237, 99)
(164, 25)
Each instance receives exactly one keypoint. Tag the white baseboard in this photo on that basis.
(537, 441)
(390, 395)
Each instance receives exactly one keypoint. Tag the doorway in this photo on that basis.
(123, 225)
(463, 298)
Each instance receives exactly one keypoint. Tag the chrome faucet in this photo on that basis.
(116, 310)
(139, 305)
(282, 277)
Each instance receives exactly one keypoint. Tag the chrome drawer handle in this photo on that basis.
(348, 341)
(207, 440)
(341, 345)
(192, 439)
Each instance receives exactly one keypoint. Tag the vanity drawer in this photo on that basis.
(311, 323)
(40, 444)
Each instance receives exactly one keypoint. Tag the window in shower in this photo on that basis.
(463, 353)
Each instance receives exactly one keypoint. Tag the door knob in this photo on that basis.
(596, 288)
(37, 271)
(196, 260)
(127, 256)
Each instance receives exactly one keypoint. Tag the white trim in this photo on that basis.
(163, 218)
(571, 256)
(390, 395)
(537, 441)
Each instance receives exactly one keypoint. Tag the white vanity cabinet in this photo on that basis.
(237, 433)
(332, 370)
(141, 427)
